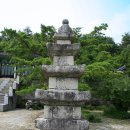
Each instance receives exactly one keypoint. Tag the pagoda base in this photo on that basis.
(61, 124)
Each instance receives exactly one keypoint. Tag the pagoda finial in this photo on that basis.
(65, 28)
(65, 21)
(65, 31)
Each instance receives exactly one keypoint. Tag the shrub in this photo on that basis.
(92, 117)
(112, 112)
(89, 107)
(98, 107)
(117, 91)
(37, 106)
(83, 87)
(29, 90)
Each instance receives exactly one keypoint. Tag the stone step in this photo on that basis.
(5, 87)
(4, 91)
(1, 98)
(3, 107)
(3, 83)
(1, 102)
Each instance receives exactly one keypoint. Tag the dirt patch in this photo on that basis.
(111, 124)
(22, 119)
(19, 119)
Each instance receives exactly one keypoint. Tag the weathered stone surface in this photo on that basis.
(64, 32)
(63, 83)
(63, 60)
(65, 28)
(63, 36)
(63, 49)
(62, 101)
(70, 71)
(62, 112)
(63, 42)
(61, 124)
(62, 97)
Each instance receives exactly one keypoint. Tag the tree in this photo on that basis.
(102, 56)
(97, 30)
(117, 90)
(125, 39)
(77, 34)
(47, 33)
(93, 44)
(28, 31)
(28, 52)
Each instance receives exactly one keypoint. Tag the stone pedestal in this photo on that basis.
(62, 110)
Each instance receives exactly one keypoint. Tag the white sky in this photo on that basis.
(18, 14)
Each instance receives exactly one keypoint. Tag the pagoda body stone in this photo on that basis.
(62, 109)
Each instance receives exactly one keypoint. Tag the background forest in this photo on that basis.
(107, 73)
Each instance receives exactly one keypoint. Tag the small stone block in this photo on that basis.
(62, 112)
(63, 83)
(63, 41)
(63, 60)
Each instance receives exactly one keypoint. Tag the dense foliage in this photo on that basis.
(102, 56)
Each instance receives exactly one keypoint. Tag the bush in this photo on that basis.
(92, 117)
(20, 102)
(37, 106)
(83, 87)
(29, 90)
(117, 91)
(25, 91)
(91, 107)
(112, 112)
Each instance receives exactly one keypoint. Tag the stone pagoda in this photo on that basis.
(62, 109)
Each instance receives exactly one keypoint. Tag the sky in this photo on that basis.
(19, 14)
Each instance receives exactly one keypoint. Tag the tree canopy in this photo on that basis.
(102, 56)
